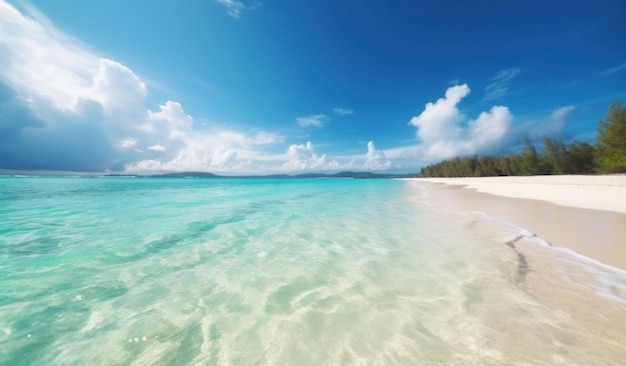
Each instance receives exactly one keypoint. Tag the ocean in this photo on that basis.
(243, 271)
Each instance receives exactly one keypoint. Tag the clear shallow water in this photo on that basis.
(261, 271)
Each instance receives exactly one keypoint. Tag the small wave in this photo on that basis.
(517, 231)
(612, 280)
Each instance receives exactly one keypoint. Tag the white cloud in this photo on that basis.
(216, 150)
(35, 58)
(172, 115)
(235, 7)
(303, 157)
(500, 84)
(73, 103)
(440, 120)
(316, 120)
(157, 147)
(561, 113)
(376, 159)
(113, 83)
(126, 143)
(441, 132)
(490, 126)
(342, 111)
(552, 125)
(192, 157)
(74, 110)
(445, 132)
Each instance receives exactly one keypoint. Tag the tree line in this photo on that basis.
(554, 157)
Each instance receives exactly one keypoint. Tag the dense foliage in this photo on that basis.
(611, 149)
(555, 157)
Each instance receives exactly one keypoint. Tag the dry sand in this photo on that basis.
(596, 192)
(584, 213)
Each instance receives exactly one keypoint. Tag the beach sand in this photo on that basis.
(584, 213)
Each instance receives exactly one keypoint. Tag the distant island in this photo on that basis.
(353, 175)
(206, 175)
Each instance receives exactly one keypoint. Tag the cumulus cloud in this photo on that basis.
(375, 159)
(342, 111)
(500, 84)
(215, 150)
(192, 157)
(443, 134)
(114, 82)
(316, 120)
(303, 157)
(440, 120)
(171, 119)
(65, 108)
(15, 114)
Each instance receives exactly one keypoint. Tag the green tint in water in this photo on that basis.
(256, 271)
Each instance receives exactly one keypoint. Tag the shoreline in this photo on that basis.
(586, 214)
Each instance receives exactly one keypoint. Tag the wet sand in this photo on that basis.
(589, 300)
(589, 295)
(594, 233)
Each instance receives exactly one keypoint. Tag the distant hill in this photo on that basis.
(187, 175)
(353, 175)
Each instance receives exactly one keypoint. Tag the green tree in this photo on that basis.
(503, 165)
(554, 155)
(580, 158)
(487, 167)
(611, 148)
(529, 163)
(468, 166)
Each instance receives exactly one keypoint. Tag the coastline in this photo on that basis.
(586, 214)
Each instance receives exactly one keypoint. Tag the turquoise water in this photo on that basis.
(269, 271)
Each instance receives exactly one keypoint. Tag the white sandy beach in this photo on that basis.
(597, 192)
(584, 213)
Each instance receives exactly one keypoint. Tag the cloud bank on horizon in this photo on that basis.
(64, 107)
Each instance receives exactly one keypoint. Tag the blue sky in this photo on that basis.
(241, 87)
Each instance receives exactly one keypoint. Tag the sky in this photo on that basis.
(279, 86)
